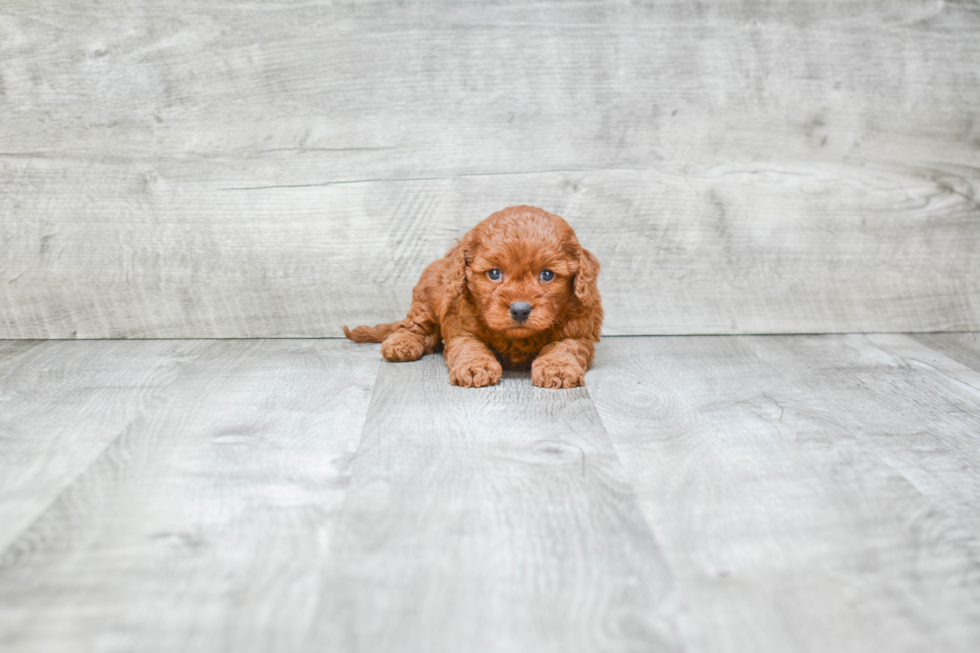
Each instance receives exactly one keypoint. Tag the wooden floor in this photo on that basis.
(773, 493)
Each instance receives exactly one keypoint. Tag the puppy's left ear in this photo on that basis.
(586, 289)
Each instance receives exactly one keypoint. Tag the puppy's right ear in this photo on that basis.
(456, 270)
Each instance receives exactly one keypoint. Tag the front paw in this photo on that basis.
(476, 373)
(550, 373)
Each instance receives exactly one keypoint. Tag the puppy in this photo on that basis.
(517, 291)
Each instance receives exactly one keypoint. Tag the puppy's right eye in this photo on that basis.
(494, 274)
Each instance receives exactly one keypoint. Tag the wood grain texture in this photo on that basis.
(62, 404)
(932, 431)
(964, 348)
(493, 519)
(681, 253)
(13, 351)
(247, 169)
(202, 526)
(806, 490)
(792, 493)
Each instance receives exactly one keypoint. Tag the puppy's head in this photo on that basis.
(522, 266)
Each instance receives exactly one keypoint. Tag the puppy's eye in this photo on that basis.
(494, 274)
(547, 275)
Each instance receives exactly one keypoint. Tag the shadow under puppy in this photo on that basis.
(517, 291)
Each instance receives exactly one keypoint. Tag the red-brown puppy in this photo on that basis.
(518, 290)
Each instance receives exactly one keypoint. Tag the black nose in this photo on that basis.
(520, 310)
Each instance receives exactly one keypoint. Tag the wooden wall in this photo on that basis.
(172, 168)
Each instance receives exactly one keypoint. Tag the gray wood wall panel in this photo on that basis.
(170, 169)
(203, 525)
(811, 493)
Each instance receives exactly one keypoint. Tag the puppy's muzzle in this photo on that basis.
(520, 311)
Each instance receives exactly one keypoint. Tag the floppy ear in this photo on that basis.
(456, 269)
(586, 289)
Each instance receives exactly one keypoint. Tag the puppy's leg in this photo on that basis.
(411, 341)
(471, 363)
(418, 334)
(562, 364)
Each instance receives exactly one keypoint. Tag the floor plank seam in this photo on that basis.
(69, 486)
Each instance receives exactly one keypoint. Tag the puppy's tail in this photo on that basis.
(371, 334)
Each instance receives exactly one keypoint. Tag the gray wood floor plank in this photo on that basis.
(13, 351)
(806, 493)
(911, 406)
(930, 429)
(495, 519)
(964, 348)
(247, 169)
(201, 527)
(62, 403)
(762, 467)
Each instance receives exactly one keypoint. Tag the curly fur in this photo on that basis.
(457, 305)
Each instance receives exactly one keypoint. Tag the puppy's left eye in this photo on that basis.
(547, 275)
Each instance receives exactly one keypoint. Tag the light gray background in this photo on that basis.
(226, 169)
(254, 169)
